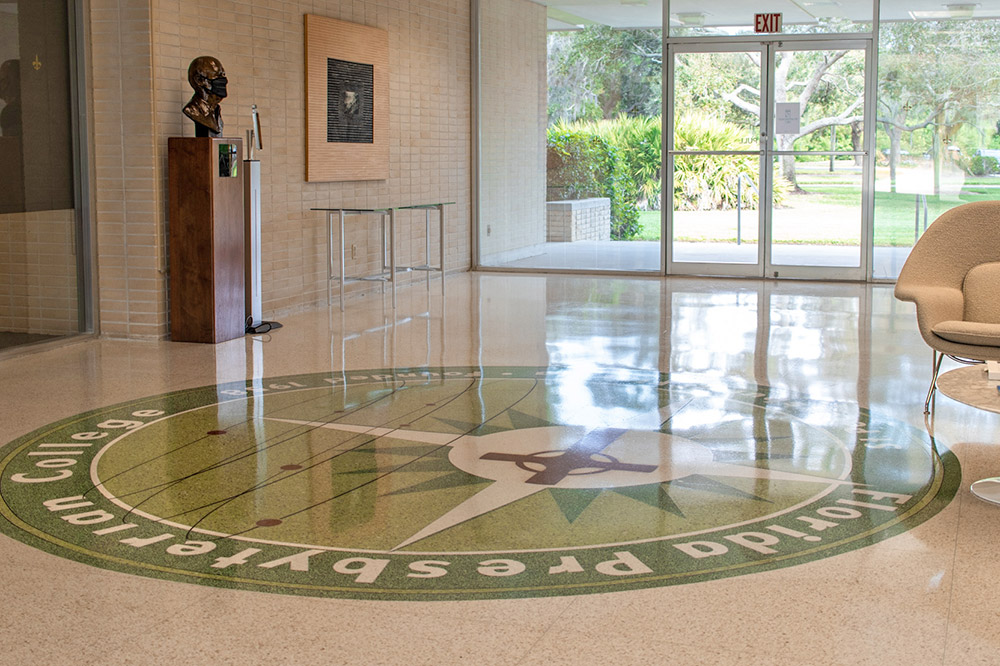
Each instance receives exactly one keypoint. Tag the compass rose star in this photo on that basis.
(526, 461)
(557, 465)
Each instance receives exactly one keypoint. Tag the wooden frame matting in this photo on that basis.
(347, 101)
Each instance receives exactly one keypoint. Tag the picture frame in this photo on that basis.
(347, 101)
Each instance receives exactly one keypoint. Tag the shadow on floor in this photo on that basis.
(10, 339)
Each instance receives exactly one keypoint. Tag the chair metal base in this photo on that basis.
(938, 357)
(987, 490)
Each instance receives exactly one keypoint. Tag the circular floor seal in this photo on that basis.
(467, 482)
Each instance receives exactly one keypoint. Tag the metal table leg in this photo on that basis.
(441, 228)
(392, 253)
(329, 257)
(343, 265)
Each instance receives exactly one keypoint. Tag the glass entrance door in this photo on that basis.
(715, 159)
(766, 159)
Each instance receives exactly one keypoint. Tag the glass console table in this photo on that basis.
(336, 217)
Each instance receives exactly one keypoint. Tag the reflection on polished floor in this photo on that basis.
(766, 401)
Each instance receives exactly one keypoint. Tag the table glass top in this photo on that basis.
(970, 386)
(384, 209)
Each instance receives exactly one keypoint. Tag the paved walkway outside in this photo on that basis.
(836, 235)
(645, 256)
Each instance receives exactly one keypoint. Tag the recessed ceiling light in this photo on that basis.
(691, 18)
(954, 11)
(963, 10)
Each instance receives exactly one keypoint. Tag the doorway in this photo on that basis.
(767, 160)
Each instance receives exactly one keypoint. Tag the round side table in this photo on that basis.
(969, 385)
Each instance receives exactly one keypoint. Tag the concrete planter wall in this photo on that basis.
(579, 219)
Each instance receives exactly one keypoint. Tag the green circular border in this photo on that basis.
(945, 482)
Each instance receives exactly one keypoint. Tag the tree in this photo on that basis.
(939, 75)
(601, 73)
(894, 106)
(800, 77)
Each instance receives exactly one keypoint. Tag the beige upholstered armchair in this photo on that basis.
(953, 276)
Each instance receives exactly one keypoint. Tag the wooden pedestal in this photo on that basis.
(206, 240)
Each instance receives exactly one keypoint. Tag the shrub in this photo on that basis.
(638, 141)
(620, 159)
(583, 164)
(982, 165)
(710, 182)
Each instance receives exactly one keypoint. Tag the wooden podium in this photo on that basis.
(206, 239)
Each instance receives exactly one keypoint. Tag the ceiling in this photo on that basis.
(570, 15)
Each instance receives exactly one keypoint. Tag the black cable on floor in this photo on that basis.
(262, 327)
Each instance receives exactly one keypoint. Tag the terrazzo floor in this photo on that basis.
(826, 362)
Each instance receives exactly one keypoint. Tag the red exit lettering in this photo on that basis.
(767, 22)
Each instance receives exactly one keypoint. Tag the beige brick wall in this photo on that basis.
(260, 43)
(514, 95)
(579, 220)
(129, 187)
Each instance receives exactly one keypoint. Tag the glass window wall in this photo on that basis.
(561, 84)
(938, 119)
(570, 139)
(42, 272)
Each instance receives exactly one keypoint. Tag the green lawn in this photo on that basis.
(649, 225)
(894, 212)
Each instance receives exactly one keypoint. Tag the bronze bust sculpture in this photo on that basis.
(208, 78)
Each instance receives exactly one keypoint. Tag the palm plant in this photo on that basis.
(710, 182)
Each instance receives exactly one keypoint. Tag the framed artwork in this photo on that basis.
(347, 101)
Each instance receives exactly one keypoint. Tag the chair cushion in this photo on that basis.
(981, 291)
(969, 332)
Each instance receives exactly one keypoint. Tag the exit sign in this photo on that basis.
(767, 22)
